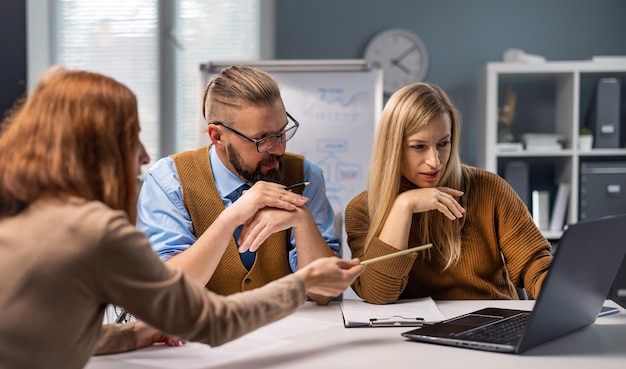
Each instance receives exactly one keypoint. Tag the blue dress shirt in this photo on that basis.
(162, 216)
(248, 257)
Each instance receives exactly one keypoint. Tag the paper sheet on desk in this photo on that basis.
(195, 355)
(357, 313)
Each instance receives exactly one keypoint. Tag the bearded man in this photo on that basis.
(246, 165)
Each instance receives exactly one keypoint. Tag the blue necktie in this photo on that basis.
(247, 258)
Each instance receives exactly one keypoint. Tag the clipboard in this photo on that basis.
(403, 313)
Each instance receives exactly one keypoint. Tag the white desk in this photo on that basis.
(601, 345)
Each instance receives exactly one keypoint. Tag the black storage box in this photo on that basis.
(602, 189)
(603, 193)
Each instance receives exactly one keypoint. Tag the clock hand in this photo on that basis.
(400, 66)
(405, 53)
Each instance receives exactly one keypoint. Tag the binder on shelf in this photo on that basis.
(403, 313)
(516, 174)
(560, 208)
(603, 116)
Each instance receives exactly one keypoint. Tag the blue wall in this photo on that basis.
(460, 35)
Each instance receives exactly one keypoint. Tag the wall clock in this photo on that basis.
(401, 55)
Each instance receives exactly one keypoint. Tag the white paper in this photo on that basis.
(195, 355)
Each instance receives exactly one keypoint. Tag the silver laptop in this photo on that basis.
(586, 261)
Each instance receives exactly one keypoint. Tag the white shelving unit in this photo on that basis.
(552, 97)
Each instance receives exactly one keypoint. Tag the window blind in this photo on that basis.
(120, 38)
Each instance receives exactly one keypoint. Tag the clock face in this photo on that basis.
(402, 57)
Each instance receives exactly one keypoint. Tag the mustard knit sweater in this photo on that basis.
(501, 249)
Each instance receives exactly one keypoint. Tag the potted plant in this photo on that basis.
(585, 139)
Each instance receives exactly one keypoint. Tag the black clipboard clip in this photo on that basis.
(122, 317)
(396, 321)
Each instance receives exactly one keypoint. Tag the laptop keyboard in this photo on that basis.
(501, 331)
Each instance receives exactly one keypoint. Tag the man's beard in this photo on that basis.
(273, 175)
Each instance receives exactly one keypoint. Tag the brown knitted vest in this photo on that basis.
(204, 205)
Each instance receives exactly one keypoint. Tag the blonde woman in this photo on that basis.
(70, 158)
(485, 241)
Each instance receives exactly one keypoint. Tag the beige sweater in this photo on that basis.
(498, 226)
(62, 262)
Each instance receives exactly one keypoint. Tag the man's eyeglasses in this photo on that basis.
(266, 143)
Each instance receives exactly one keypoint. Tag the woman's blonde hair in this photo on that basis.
(76, 135)
(408, 111)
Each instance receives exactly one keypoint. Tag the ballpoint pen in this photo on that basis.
(296, 185)
(121, 317)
